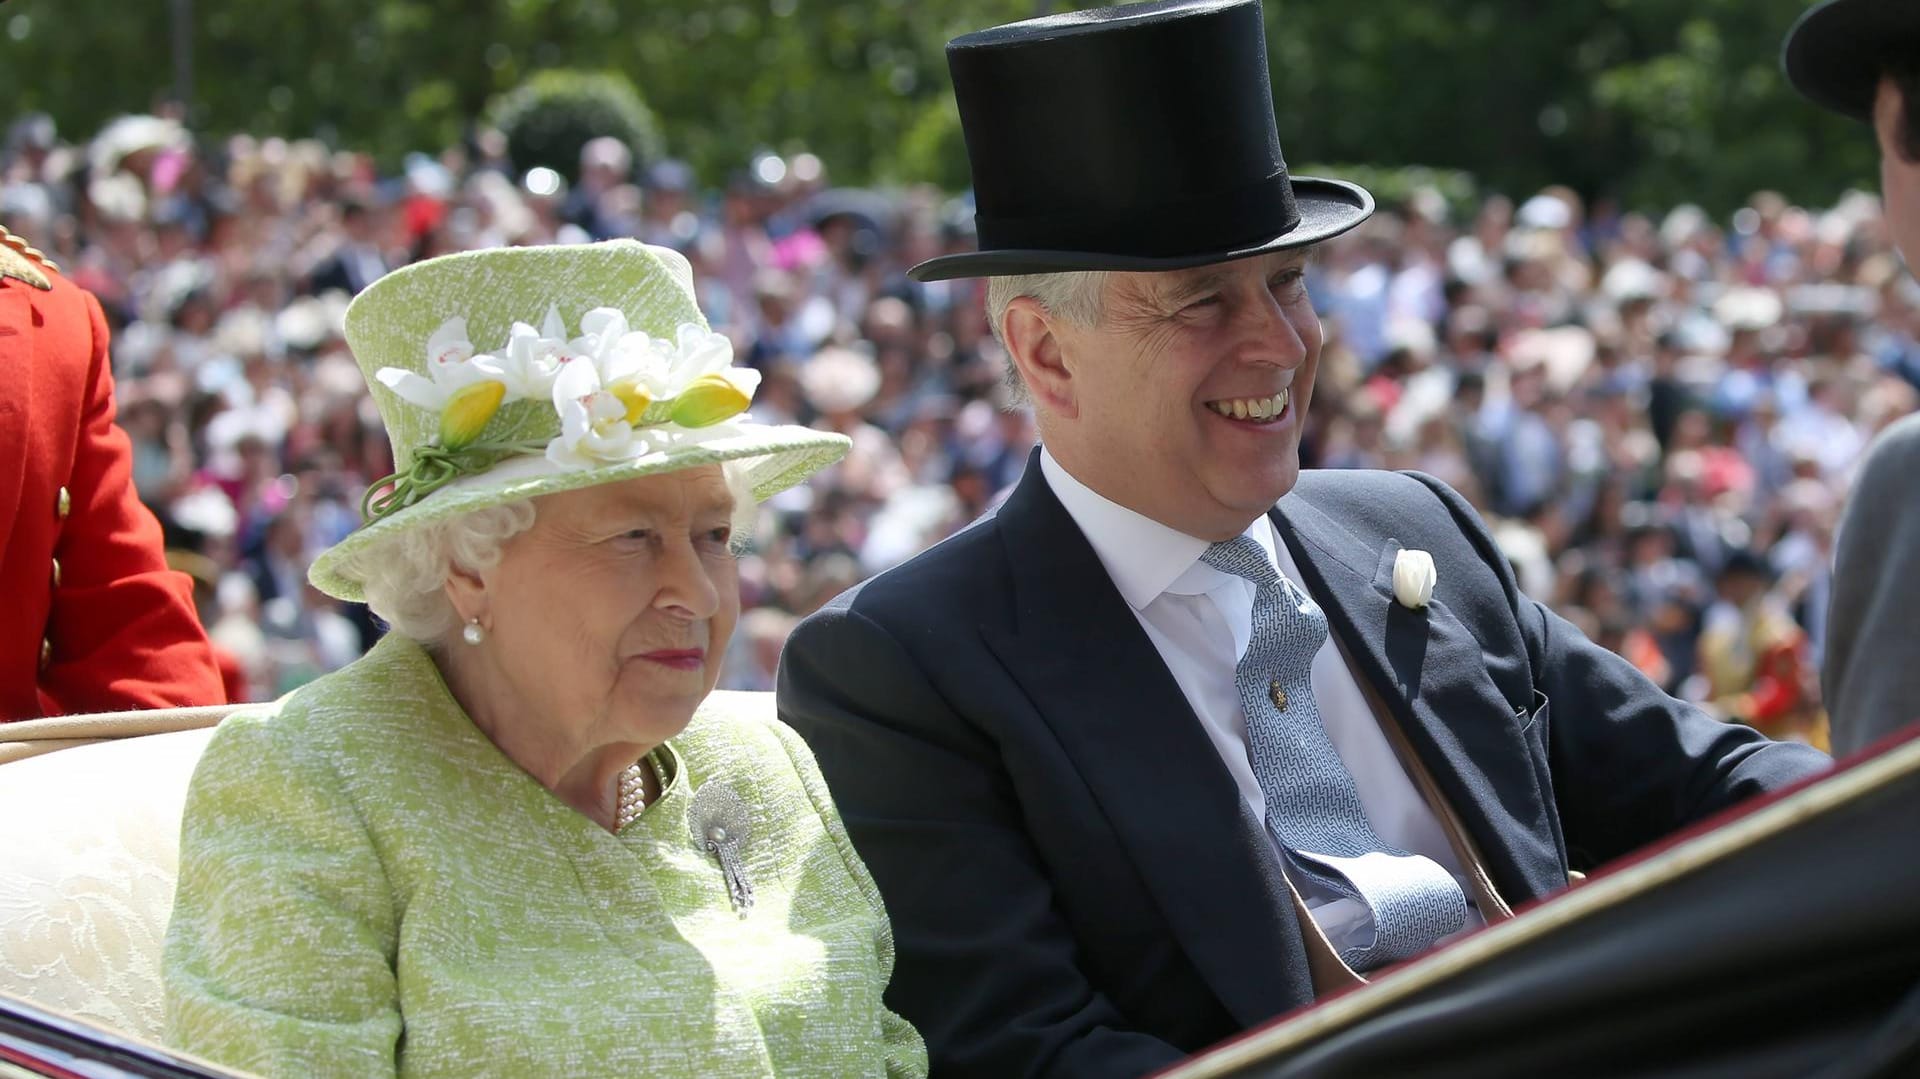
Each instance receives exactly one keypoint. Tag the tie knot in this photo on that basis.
(1242, 556)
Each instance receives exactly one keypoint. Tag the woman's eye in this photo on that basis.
(720, 536)
(1201, 304)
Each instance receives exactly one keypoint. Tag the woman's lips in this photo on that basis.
(680, 659)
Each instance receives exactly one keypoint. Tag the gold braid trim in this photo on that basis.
(26, 249)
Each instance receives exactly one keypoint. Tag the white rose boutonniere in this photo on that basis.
(1413, 579)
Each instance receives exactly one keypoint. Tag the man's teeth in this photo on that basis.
(1251, 408)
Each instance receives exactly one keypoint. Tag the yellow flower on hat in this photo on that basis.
(468, 411)
(631, 394)
(713, 398)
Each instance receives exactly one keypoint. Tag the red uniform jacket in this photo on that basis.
(91, 619)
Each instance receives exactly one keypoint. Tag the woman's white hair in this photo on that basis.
(405, 578)
(1075, 295)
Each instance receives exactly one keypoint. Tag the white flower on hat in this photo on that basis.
(451, 367)
(1413, 578)
(595, 427)
(633, 366)
(694, 354)
(697, 352)
(603, 330)
(694, 372)
(533, 358)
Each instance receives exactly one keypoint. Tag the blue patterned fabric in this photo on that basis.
(1313, 805)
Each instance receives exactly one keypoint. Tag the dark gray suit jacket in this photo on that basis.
(1871, 672)
(1075, 884)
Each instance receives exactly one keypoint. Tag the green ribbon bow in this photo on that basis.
(434, 467)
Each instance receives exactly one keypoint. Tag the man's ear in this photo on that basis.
(1890, 122)
(1032, 341)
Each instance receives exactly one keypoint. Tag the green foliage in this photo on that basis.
(548, 118)
(931, 150)
(1649, 101)
(1392, 186)
(1697, 92)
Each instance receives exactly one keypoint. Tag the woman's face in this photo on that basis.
(607, 620)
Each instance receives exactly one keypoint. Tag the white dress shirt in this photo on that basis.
(1200, 620)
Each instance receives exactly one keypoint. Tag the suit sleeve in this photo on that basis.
(123, 627)
(986, 964)
(279, 954)
(1630, 764)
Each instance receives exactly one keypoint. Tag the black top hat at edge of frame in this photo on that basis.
(1837, 51)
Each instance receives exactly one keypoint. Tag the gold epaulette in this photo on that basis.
(20, 261)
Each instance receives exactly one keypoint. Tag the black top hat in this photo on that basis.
(1138, 137)
(1838, 50)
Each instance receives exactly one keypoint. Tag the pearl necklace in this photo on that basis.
(632, 799)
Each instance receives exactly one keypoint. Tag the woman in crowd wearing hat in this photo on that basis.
(840, 383)
(514, 838)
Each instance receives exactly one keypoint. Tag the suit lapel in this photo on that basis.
(1095, 678)
(1428, 668)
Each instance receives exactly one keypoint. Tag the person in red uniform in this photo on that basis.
(91, 618)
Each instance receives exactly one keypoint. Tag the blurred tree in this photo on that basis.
(1708, 116)
(1650, 101)
(551, 116)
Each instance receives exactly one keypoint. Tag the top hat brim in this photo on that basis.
(1834, 53)
(1327, 208)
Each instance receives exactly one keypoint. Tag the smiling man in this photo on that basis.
(1182, 737)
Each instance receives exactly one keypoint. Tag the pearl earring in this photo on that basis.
(473, 634)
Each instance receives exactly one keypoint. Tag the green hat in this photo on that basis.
(510, 373)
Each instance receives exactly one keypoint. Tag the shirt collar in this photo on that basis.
(1144, 557)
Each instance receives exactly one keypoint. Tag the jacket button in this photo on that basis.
(46, 653)
(63, 505)
(1278, 695)
(56, 573)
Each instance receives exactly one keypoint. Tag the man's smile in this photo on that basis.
(1255, 409)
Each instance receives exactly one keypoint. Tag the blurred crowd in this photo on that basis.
(1658, 415)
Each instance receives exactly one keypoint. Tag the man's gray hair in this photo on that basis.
(1077, 296)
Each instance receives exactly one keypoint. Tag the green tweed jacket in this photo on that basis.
(369, 887)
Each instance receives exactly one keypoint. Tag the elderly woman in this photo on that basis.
(514, 838)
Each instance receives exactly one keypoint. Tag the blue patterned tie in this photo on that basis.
(1312, 803)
